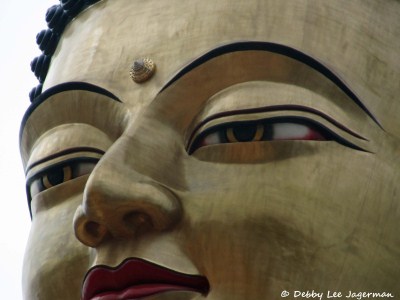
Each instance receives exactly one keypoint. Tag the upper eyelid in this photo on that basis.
(282, 50)
(66, 162)
(64, 153)
(60, 164)
(279, 112)
(274, 108)
(59, 159)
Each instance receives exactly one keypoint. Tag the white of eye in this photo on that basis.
(83, 168)
(211, 139)
(290, 131)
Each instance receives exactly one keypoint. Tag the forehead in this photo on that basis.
(357, 40)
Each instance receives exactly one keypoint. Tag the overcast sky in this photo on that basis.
(20, 21)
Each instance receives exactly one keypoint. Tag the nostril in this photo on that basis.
(139, 221)
(125, 212)
(96, 230)
(93, 234)
(137, 218)
(88, 232)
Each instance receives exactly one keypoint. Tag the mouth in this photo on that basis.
(135, 279)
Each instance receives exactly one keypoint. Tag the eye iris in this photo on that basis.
(245, 133)
(56, 176)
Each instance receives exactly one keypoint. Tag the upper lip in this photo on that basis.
(136, 278)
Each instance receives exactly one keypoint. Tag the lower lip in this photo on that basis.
(139, 291)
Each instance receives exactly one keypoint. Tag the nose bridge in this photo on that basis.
(118, 201)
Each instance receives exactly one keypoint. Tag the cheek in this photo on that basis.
(289, 178)
(302, 216)
(53, 255)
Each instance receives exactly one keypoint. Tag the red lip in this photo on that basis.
(136, 278)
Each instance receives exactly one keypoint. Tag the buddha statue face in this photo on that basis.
(261, 156)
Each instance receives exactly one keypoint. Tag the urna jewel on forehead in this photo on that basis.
(57, 18)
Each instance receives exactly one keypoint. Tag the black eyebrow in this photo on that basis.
(274, 48)
(63, 87)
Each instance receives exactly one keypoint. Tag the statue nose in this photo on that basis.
(120, 203)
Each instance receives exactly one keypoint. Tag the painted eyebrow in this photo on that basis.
(63, 87)
(279, 49)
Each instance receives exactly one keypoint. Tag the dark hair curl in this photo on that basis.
(57, 18)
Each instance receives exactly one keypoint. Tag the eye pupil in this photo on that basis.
(56, 176)
(245, 133)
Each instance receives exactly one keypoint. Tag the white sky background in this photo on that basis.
(20, 21)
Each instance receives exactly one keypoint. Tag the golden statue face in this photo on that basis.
(262, 156)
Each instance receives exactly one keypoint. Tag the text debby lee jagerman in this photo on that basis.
(337, 295)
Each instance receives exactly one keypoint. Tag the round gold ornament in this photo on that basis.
(142, 70)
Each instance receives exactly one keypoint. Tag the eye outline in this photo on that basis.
(45, 180)
(65, 164)
(301, 120)
(65, 156)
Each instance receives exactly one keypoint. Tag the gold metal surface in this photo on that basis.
(255, 218)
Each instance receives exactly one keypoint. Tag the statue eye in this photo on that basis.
(267, 130)
(56, 176)
(59, 174)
